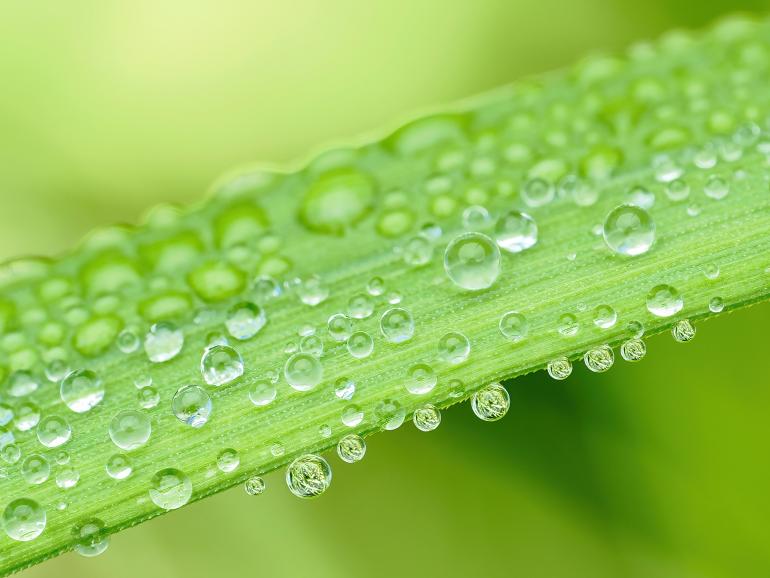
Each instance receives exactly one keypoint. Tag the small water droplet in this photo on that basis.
(312, 291)
(716, 304)
(664, 301)
(118, 467)
(130, 429)
(163, 342)
(599, 359)
(716, 187)
(537, 192)
(515, 231)
(339, 327)
(568, 325)
(170, 489)
(711, 271)
(491, 403)
(476, 218)
(390, 414)
(67, 477)
(641, 197)
(91, 538)
(221, 364)
(420, 379)
(683, 330)
(308, 476)
(228, 460)
(454, 347)
(426, 418)
(514, 326)
(345, 388)
(148, 397)
(128, 341)
(352, 415)
(633, 349)
(53, 431)
(472, 261)
(376, 286)
(629, 230)
(605, 317)
(35, 469)
(417, 251)
(26, 416)
(559, 368)
(397, 325)
(303, 371)
(191, 405)
(81, 390)
(262, 392)
(245, 320)
(254, 486)
(351, 448)
(677, 190)
(360, 306)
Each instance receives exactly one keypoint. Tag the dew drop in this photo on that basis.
(22, 383)
(664, 301)
(303, 371)
(191, 405)
(641, 197)
(130, 429)
(118, 467)
(352, 415)
(515, 231)
(472, 261)
(476, 218)
(514, 326)
(228, 460)
(711, 271)
(716, 304)
(128, 341)
(599, 359)
(163, 342)
(221, 364)
(262, 392)
(559, 368)
(91, 538)
(677, 190)
(417, 251)
(360, 306)
(81, 390)
(26, 416)
(244, 320)
(420, 379)
(170, 489)
(605, 317)
(35, 469)
(633, 349)
(426, 418)
(312, 291)
(53, 431)
(397, 325)
(491, 403)
(537, 192)
(148, 397)
(568, 325)
(23, 520)
(376, 286)
(308, 476)
(67, 477)
(390, 414)
(351, 448)
(254, 486)
(716, 188)
(340, 327)
(683, 330)
(629, 230)
(454, 347)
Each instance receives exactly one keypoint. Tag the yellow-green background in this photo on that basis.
(655, 470)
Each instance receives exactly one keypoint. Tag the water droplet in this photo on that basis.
(605, 316)
(629, 230)
(351, 448)
(254, 486)
(711, 271)
(677, 190)
(262, 393)
(91, 538)
(491, 403)
(633, 349)
(599, 359)
(376, 286)
(683, 330)
(163, 342)
(312, 291)
(716, 304)
(514, 326)
(53, 431)
(26, 416)
(515, 231)
(245, 320)
(344, 388)
(303, 371)
(35, 469)
(476, 218)
(568, 325)
(635, 329)
(360, 306)
(10, 453)
(128, 341)
(337, 201)
(352, 415)
(390, 414)
(472, 261)
(340, 327)
(148, 397)
(397, 325)
(221, 364)
(664, 301)
(325, 430)
(6, 414)
(716, 187)
(308, 476)
(67, 477)
(191, 405)
(559, 368)
(130, 429)
(420, 379)
(454, 347)
(118, 467)
(23, 520)
(426, 418)
(170, 489)
(417, 251)
(641, 197)
(277, 449)
(228, 460)
(81, 390)
(537, 192)
(22, 383)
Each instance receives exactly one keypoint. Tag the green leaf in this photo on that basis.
(680, 125)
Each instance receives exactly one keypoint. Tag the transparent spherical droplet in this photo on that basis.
(375, 286)
(491, 403)
(191, 405)
(352, 415)
(308, 476)
(716, 187)
(118, 467)
(62, 457)
(635, 329)
(453, 347)
(537, 192)
(277, 449)
(427, 417)
(53, 431)
(633, 350)
(664, 301)
(716, 304)
(312, 291)
(81, 390)
(148, 397)
(170, 489)
(26, 416)
(472, 261)
(390, 414)
(312, 344)
(515, 231)
(254, 486)
(559, 368)
(476, 218)
(641, 197)
(6, 414)
(303, 371)
(351, 448)
(91, 538)
(67, 477)
(629, 230)
(711, 271)
(23, 520)
(325, 430)
(128, 341)
(245, 320)
(221, 364)
(360, 344)
(599, 359)
(345, 388)
(163, 342)
(683, 330)
(130, 429)
(420, 379)
(677, 190)
(397, 325)
(514, 326)
(10, 453)
(568, 325)
(339, 326)
(360, 306)
(22, 383)
(57, 370)
(266, 288)
(605, 317)
(262, 392)
(417, 251)
(228, 460)
(35, 469)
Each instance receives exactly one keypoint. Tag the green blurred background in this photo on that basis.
(653, 470)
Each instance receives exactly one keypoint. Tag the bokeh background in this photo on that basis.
(654, 470)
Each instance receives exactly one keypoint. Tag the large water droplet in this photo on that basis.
(81, 390)
(629, 230)
(130, 429)
(420, 379)
(397, 325)
(560, 368)
(192, 405)
(245, 320)
(360, 344)
(664, 301)
(351, 448)
(163, 342)
(427, 417)
(91, 538)
(221, 364)
(53, 431)
(170, 489)
(472, 261)
(599, 359)
(254, 486)
(515, 231)
(633, 350)
(491, 403)
(23, 520)
(303, 371)
(308, 476)
(683, 330)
